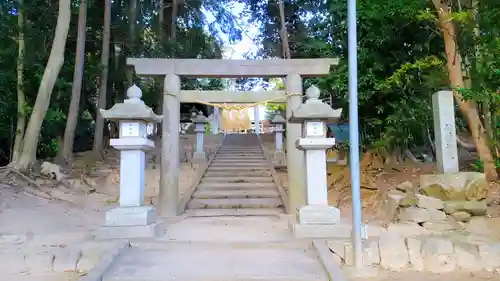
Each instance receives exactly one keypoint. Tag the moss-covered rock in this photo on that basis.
(475, 208)
(462, 186)
(408, 201)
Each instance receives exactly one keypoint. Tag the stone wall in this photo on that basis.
(438, 225)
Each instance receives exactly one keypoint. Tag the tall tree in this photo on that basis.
(54, 64)
(21, 97)
(103, 87)
(74, 107)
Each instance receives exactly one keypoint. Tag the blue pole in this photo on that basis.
(354, 134)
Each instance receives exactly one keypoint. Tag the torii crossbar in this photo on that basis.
(232, 68)
(233, 97)
(292, 69)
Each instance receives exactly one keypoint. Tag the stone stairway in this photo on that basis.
(237, 182)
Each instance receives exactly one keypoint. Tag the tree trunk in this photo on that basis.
(21, 97)
(74, 107)
(106, 34)
(284, 32)
(132, 18)
(54, 64)
(468, 108)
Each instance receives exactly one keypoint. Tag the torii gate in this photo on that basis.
(292, 69)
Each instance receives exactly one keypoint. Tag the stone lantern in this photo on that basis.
(132, 218)
(317, 218)
(199, 120)
(278, 122)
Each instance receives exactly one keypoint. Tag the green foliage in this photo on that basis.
(193, 41)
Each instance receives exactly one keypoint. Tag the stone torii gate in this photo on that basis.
(292, 69)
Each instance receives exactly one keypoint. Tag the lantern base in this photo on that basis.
(318, 214)
(199, 157)
(279, 158)
(329, 231)
(131, 222)
(319, 221)
(153, 230)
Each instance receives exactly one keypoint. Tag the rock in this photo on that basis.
(438, 255)
(406, 187)
(391, 205)
(39, 262)
(393, 252)
(375, 229)
(66, 260)
(414, 253)
(459, 186)
(419, 215)
(475, 208)
(439, 226)
(489, 255)
(461, 216)
(406, 229)
(408, 201)
(427, 202)
(371, 253)
(467, 256)
(338, 248)
(479, 226)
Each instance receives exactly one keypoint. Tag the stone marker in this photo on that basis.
(317, 216)
(444, 132)
(132, 218)
(214, 125)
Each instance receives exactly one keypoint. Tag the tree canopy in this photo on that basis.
(403, 52)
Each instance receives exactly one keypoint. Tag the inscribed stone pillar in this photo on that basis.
(256, 118)
(170, 160)
(215, 121)
(295, 157)
(444, 132)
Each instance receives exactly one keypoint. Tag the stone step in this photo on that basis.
(225, 160)
(235, 185)
(249, 153)
(255, 146)
(241, 149)
(240, 157)
(236, 193)
(234, 212)
(232, 179)
(235, 203)
(248, 169)
(242, 164)
(217, 262)
(222, 173)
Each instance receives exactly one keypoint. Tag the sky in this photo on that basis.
(239, 49)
